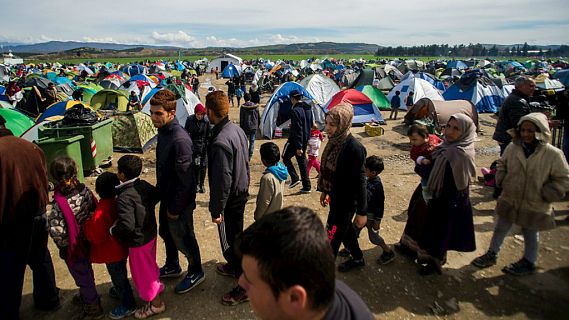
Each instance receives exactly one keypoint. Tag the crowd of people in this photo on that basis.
(120, 227)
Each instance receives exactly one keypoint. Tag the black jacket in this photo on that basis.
(255, 95)
(136, 222)
(229, 165)
(249, 117)
(174, 174)
(515, 106)
(300, 125)
(199, 132)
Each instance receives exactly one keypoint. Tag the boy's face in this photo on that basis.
(416, 140)
(370, 174)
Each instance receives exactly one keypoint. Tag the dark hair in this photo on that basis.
(165, 99)
(291, 248)
(63, 168)
(130, 166)
(105, 185)
(397, 92)
(375, 163)
(419, 129)
(410, 93)
(218, 103)
(270, 153)
(247, 97)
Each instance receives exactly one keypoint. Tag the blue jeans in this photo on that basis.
(182, 230)
(531, 239)
(119, 277)
(251, 136)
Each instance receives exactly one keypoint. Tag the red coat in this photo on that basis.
(104, 247)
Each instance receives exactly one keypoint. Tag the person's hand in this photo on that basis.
(299, 152)
(426, 162)
(171, 216)
(218, 220)
(360, 221)
(324, 199)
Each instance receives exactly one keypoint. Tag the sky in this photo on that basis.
(245, 23)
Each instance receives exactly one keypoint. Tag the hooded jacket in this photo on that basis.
(249, 117)
(271, 190)
(515, 106)
(300, 125)
(531, 184)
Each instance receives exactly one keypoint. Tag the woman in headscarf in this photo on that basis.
(532, 174)
(449, 224)
(343, 184)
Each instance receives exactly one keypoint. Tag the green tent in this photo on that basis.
(109, 99)
(16, 121)
(132, 132)
(375, 95)
(89, 90)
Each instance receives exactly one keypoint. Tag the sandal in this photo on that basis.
(149, 310)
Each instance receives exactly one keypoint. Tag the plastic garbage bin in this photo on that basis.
(63, 146)
(96, 145)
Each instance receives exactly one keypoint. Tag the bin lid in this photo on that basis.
(59, 140)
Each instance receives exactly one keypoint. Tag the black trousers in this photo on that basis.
(231, 226)
(288, 153)
(199, 173)
(24, 242)
(172, 259)
(341, 230)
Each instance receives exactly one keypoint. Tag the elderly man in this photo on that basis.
(514, 107)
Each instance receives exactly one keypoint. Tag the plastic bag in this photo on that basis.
(80, 115)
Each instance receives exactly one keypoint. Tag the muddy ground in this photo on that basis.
(394, 291)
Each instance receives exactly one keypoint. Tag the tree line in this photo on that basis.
(473, 50)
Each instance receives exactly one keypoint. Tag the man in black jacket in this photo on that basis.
(300, 124)
(515, 106)
(228, 185)
(177, 188)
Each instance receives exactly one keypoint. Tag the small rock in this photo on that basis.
(564, 247)
(453, 304)
(439, 294)
(436, 309)
(519, 237)
(549, 249)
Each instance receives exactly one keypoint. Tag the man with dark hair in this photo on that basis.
(514, 107)
(249, 121)
(177, 188)
(288, 270)
(300, 125)
(228, 184)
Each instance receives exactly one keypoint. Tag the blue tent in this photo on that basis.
(429, 78)
(180, 66)
(456, 64)
(480, 90)
(278, 109)
(63, 80)
(230, 71)
(133, 69)
(563, 76)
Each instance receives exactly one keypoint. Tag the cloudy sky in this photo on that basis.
(243, 23)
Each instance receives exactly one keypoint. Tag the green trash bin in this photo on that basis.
(63, 146)
(96, 145)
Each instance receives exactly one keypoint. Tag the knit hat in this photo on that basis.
(199, 109)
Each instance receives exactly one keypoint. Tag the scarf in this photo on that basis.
(341, 116)
(460, 155)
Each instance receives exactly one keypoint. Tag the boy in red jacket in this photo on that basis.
(107, 249)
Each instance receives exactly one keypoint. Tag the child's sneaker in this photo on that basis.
(386, 258)
(351, 264)
(486, 260)
(149, 310)
(520, 268)
(234, 297)
(345, 253)
(169, 272)
(121, 312)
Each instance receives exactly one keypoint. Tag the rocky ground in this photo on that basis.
(394, 291)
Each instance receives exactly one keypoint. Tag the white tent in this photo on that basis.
(184, 106)
(421, 89)
(320, 87)
(222, 61)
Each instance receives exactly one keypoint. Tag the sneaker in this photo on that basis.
(351, 264)
(121, 312)
(149, 310)
(77, 300)
(305, 191)
(520, 268)
(293, 184)
(91, 312)
(169, 272)
(345, 253)
(225, 269)
(386, 258)
(114, 293)
(234, 297)
(486, 260)
(189, 282)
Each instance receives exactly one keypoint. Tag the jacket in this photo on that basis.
(300, 125)
(271, 190)
(199, 133)
(104, 247)
(515, 106)
(229, 165)
(530, 185)
(375, 197)
(174, 174)
(249, 117)
(136, 222)
(396, 102)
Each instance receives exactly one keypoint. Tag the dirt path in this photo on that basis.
(395, 291)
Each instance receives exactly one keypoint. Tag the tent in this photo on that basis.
(439, 112)
(222, 61)
(143, 77)
(133, 69)
(375, 95)
(185, 103)
(16, 121)
(480, 90)
(108, 99)
(409, 65)
(543, 82)
(320, 87)
(385, 84)
(421, 89)
(364, 108)
(278, 109)
(4, 73)
(132, 132)
(563, 76)
(456, 64)
(427, 77)
(89, 90)
(365, 78)
(230, 71)
(57, 109)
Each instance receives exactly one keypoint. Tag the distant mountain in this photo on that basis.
(59, 46)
